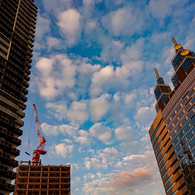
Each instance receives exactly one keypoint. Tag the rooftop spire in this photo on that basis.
(157, 75)
(174, 41)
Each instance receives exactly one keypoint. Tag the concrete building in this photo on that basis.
(42, 180)
(173, 130)
(17, 28)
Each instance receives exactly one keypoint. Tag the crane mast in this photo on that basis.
(41, 139)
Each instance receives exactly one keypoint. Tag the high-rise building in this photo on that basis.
(17, 28)
(42, 180)
(173, 130)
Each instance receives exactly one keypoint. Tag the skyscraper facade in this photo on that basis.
(17, 28)
(177, 112)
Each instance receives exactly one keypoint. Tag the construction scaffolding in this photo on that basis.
(42, 180)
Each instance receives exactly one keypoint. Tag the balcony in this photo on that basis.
(26, 84)
(21, 113)
(2, 182)
(27, 77)
(16, 141)
(5, 157)
(24, 91)
(16, 58)
(8, 102)
(20, 122)
(16, 65)
(8, 112)
(19, 53)
(20, 40)
(6, 145)
(9, 92)
(4, 56)
(28, 71)
(7, 122)
(23, 97)
(13, 79)
(13, 162)
(5, 16)
(11, 86)
(11, 174)
(22, 105)
(14, 71)
(19, 132)
(3, 169)
(14, 151)
(28, 65)
(10, 187)
(5, 42)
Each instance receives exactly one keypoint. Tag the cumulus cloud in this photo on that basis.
(55, 74)
(62, 149)
(101, 132)
(53, 42)
(56, 129)
(166, 7)
(99, 78)
(42, 27)
(128, 179)
(70, 24)
(133, 157)
(84, 138)
(124, 21)
(123, 132)
(99, 107)
(145, 115)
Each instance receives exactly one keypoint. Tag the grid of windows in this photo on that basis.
(157, 92)
(164, 98)
(177, 60)
(187, 63)
(175, 80)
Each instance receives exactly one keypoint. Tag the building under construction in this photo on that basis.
(42, 180)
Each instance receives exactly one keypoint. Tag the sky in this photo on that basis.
(92, 81)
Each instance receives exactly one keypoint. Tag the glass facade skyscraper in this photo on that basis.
(177, 121)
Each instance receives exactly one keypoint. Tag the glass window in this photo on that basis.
(154, 133)
(171, 186)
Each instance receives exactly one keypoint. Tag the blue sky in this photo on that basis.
(92, 81)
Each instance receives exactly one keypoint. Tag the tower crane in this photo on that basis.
(41, 139)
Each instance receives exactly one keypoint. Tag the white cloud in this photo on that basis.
(124, 21)
(53, 42)
(62, 149)
(101, 132)
(99, 78)
(56, 6)
(123, 132)
(55, 74)
(84, 138)
(78, 112)
(133, 157)
(56, 129)
(42, 27)
(166, 7)
(99, 107)
(57, 109)
(145, 115)
(70, 24)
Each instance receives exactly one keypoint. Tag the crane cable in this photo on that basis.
(29, 134)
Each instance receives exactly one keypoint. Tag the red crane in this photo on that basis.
(40, 149)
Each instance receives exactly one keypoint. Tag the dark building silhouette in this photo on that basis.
(17, 28)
